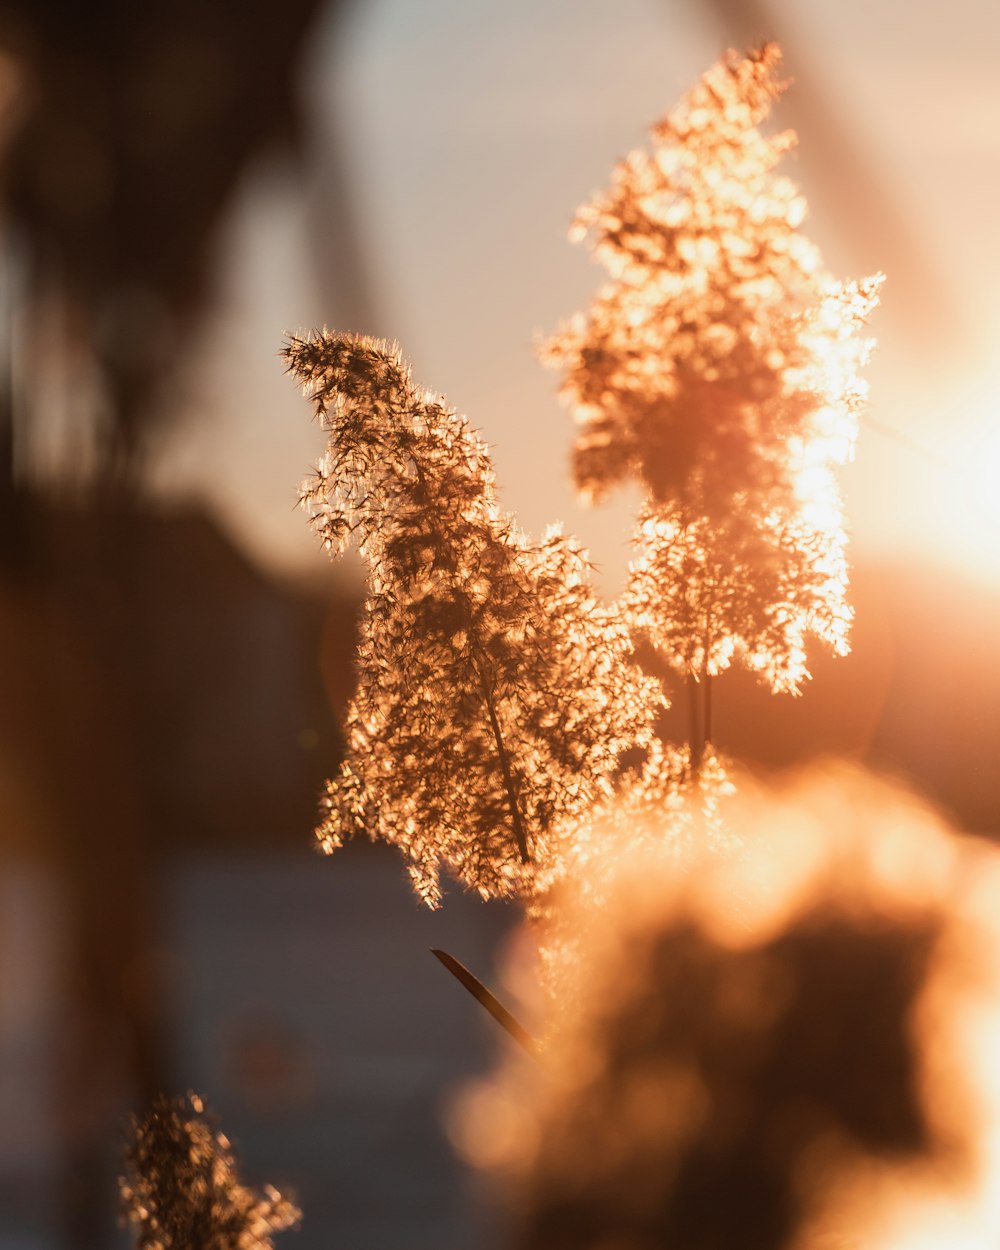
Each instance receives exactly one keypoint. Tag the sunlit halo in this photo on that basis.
(875, 875)
(977, 499)
(945, 456)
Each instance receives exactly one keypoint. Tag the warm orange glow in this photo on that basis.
(720, 368)
(495, 695)
(969, 468)
(806, 1026)
(942, 449)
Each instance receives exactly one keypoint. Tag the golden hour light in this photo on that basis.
(542, 457)
(495, 696)
(805, 1021)
(969, 462)
(719, 369)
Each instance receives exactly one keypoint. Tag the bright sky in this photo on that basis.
(468, 131)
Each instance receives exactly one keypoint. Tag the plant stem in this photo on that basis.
(696, 740)
(482, 995)
(508, 777)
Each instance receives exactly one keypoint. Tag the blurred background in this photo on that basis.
(179, 187)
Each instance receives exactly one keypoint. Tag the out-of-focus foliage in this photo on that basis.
(665, 807)
(181, 1190)
(495, 696)
(793, 1044)
(718, 367)
(129, 130)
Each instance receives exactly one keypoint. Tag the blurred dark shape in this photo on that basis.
(730, 1088)
(216, 666)
(156, 689)
(133, 125)
(159, 692)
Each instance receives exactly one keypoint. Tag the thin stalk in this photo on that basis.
(508, 776)
(706, 682)
(696, 740)
(506, 1019)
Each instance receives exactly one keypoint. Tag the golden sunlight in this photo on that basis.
(943, 449)
(808, 1023)
(971, 515)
